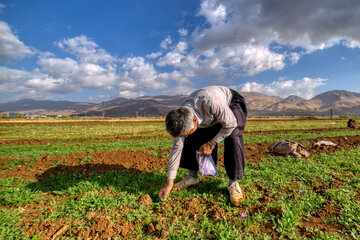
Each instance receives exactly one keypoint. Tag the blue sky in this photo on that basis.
(100, 50)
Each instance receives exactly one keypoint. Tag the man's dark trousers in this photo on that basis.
(234, 153)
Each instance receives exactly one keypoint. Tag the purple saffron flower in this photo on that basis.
(243, 215)
(301, 191)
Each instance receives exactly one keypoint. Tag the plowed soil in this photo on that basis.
(108, 225)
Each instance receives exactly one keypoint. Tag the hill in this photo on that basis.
(339, 101)
(47, 107)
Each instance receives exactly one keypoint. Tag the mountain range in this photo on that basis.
(337, 102)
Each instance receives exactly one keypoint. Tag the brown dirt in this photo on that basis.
(96, 225)
(101, 162)
(316, 222)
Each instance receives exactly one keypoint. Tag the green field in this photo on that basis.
(61, 180)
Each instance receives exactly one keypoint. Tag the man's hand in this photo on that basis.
(165, 191)
(205, 149)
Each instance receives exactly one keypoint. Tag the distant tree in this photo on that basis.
(331, 112)
(103, 112)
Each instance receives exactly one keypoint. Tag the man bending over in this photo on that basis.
(207, 117)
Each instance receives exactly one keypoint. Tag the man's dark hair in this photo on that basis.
(179, 120)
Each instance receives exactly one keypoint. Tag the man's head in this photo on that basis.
(181, 122)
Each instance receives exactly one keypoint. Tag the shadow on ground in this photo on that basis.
(86, 176)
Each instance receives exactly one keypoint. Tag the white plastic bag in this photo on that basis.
(206, 165)
(328, 143)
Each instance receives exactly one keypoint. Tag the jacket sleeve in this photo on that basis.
(175, 156)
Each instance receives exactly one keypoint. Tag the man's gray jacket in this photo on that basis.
(210, 106)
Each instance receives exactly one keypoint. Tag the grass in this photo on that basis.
(74, 130)
(8, 224)
(296, 189)
(59, 148)
(267, 125)
(70, 130)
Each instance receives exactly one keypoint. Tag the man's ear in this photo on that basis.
(195, 121)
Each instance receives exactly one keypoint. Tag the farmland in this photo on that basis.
(100, 180)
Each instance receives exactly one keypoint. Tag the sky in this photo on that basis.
(98, 50)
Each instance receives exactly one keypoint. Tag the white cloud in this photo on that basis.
(83, 75)
(213, 11)
(86, 50)
(48, 84)
(232, 60)
(141, 73)
(139, 76)
(179, 90)
(350, 43)
(175, 56)
(253, 60)
(95, 76)
(64, 75)
(294, 57)
(308, 24)
(57, 67)
(11, 79)
(183, 32)
(154, 55)
(128, 84)
(166, 43)
(303, 87)
(10, 45)
(32, 94)
(101, 97)
(18, 81)
(130, 94)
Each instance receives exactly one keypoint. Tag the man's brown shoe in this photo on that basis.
(186, 181)
(237, 196)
